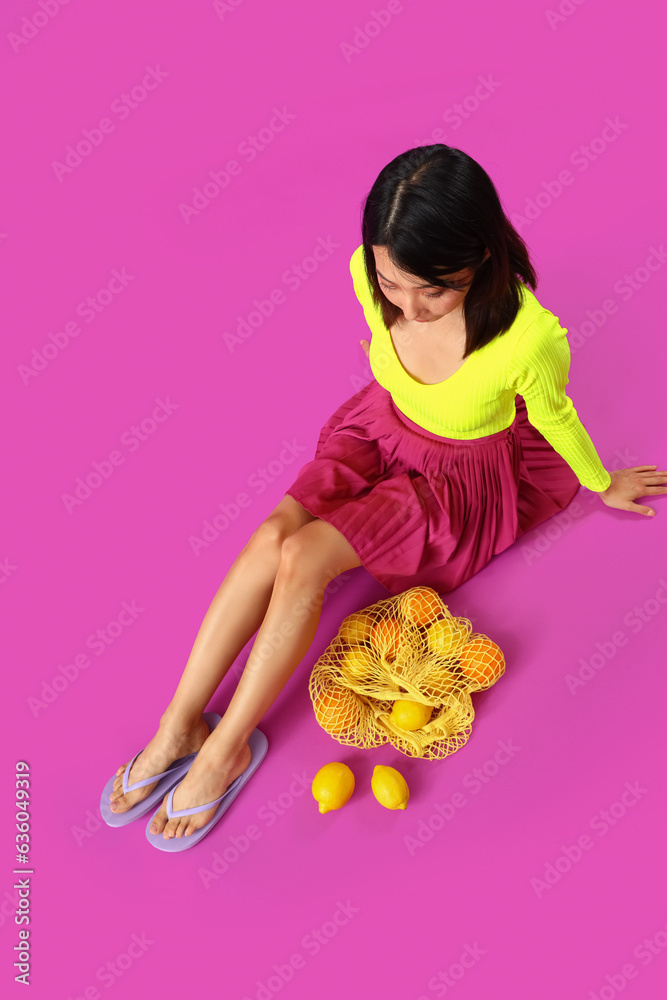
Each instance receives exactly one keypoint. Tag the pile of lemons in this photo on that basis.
(402, 671)
(334, 783)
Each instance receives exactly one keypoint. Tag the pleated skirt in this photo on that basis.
(421, 509)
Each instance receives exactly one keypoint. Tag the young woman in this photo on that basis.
(462, 441)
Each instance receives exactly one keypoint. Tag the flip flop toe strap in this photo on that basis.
(127, 787)
(173, 813)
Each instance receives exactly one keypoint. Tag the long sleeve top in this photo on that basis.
(531, 359)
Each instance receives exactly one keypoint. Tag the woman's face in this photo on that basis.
(419, 302)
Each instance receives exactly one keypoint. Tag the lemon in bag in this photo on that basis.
(410, 715)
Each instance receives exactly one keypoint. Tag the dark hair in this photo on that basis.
(435, 209)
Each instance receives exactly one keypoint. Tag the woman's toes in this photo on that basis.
(159, 820)
(118, 786)
(117, 795)
(168, 825)
(170, 829)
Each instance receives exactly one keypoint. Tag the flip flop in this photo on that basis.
(258, 747)
(174, 773)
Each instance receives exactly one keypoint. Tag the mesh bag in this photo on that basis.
(406, 648)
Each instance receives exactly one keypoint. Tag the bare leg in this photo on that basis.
(310, 558)
(232, 618)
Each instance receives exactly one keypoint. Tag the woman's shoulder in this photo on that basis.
(540, 339)
(533, 318)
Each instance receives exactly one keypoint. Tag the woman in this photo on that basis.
(423, 476)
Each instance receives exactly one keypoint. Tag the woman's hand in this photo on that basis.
(629, 484)
(366, 346)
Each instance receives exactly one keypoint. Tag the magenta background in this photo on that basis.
(163, 337)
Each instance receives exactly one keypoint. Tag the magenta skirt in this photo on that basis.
(420, 509)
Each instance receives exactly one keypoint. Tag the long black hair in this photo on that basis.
(435, 209)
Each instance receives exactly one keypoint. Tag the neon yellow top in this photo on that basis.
(531, 359)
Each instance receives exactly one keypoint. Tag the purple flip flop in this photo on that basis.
(174, 773)
(258, 746)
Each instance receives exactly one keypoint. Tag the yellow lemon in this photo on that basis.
(358, 664)
(445, 636)
(410, 715)
(332, 786)
(356, 628)
(390, 787)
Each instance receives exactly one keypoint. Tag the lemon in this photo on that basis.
(332, 786)
(356, 628)
(390, 787)
(445, 636)
(410, 715)
(357, 664)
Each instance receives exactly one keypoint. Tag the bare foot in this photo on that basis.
(206, 780)
(166, 746)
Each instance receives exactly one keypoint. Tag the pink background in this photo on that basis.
(558, 596)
